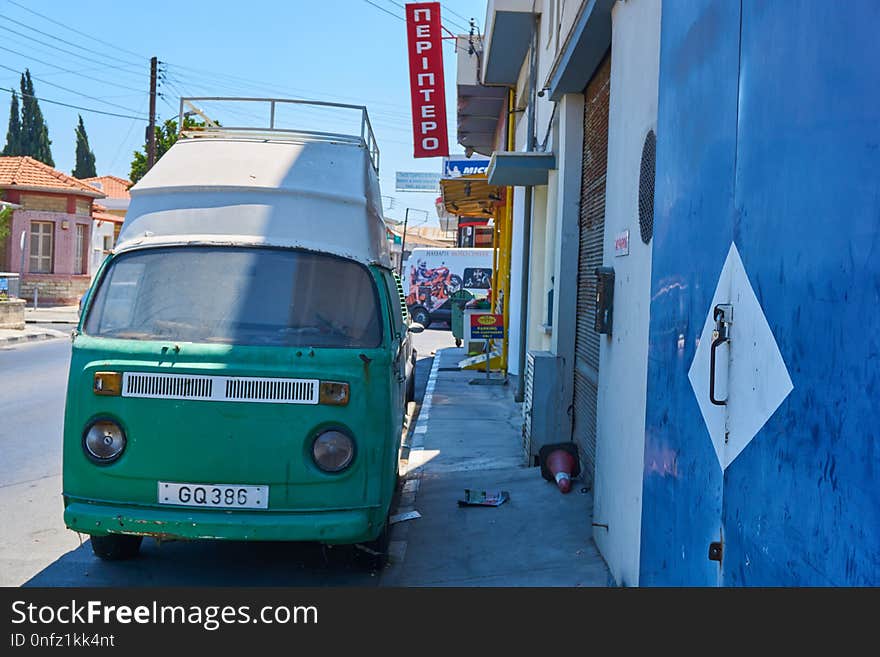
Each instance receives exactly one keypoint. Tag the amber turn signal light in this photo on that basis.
(108, 383)
(334, 393)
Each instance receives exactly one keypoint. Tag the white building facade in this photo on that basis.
(584, 77)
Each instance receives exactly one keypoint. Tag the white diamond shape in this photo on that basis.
(758, 380)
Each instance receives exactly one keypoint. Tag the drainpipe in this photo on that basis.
(519, 395)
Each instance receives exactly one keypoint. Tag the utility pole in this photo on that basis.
(151, 128)
(403, 242)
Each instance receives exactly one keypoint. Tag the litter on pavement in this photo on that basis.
(484, 497)
(400, 517)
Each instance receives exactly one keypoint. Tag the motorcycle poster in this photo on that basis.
(431, 288)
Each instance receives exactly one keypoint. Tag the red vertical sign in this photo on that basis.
(426, 79)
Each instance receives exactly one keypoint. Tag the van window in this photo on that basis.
(237, 295)
(401, 298)
(397, 321)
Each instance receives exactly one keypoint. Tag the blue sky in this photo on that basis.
(337, 50)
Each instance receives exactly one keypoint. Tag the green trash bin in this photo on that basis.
(457, 302)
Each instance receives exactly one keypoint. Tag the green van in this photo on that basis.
(243, 361)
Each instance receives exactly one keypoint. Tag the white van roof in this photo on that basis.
(317, 191)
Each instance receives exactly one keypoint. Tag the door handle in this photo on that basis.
(717, 342)
(723, 316)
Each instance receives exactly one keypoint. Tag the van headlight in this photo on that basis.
(103, 441)
(333, 451)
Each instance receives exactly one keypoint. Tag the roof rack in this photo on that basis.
(188, 107)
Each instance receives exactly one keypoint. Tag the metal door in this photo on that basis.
(765, 217)
(592, 230)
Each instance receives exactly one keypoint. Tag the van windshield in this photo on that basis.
(235, 295)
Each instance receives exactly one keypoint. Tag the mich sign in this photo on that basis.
(427, 88)
(457, 166)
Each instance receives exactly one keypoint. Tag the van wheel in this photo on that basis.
(373, 555)
(116, 547)
(411, 388)
(421, 316)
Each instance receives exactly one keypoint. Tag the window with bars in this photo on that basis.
(79, 262)
(42, 247)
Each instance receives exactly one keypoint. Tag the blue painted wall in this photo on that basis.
(769, 136)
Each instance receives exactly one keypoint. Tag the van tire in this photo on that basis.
(373, 555)
(116, 547)
(411, 388)
(421, 316)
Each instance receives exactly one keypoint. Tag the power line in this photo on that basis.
(67, 70)
(454, 13)
(379, 119)
(69, 52)
(67, 27)
(167, 102)
(124, 140)
(448, 20)
(29, 45)
(232, 82)
(73, 91)
(390, 13)
(84, 109)
(58, 38)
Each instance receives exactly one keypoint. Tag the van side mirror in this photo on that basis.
(415, 327)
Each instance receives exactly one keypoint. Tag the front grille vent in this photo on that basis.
(220, 388)
(290, 391)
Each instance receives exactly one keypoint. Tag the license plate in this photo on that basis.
(215, 496)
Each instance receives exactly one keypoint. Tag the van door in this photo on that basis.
(399, 339)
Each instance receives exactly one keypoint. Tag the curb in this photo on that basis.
(31, 337)
(412, 479)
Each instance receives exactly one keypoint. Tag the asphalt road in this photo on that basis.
(37, 550)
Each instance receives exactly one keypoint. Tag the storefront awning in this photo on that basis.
(480, 108)
(509, 27)
(470, 196)
(587, 43)
(520, 169)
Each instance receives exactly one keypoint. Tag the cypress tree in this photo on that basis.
(85, 158)
(34, 132)
(13, 134)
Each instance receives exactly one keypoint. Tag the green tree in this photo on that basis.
(85, 158)
(34, 132)
(166, 135)
(5, 221)
(13, 134)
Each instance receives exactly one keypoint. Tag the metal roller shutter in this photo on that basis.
(592, 229)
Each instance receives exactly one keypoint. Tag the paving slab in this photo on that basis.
(470, 436)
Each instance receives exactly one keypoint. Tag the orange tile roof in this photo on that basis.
(97, 215)
(112, 186)
(27, 172)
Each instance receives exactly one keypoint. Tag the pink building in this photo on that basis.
(55, 218)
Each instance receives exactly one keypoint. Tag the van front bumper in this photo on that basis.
(336, 526)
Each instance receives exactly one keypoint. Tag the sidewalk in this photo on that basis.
(30, 333)
(51, 315)
(469, 436)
